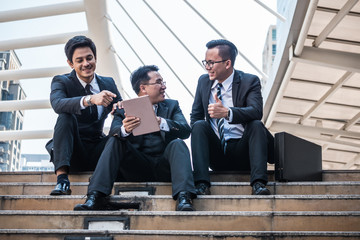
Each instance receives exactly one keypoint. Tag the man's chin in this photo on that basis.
(211, 77)
(162, 98)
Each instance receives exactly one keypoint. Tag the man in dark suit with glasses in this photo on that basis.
(158, 156)
(227, 133)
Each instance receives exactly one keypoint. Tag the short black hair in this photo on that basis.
(140, 76)
(227, 50)
(77, 42)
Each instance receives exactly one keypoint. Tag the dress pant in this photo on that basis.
(247, 153)
(121, 160)
(68, 148)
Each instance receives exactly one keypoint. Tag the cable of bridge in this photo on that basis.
(222, 36)
(127, 42)
(118, 56)
(156, 50)
(172, 32)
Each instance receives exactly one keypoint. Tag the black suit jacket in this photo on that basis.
(66, 92)
(169, 110)
(247, 100)
(246, 96)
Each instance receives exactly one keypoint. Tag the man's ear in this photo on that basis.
(70, 64)
(142, 89)
(228, 64)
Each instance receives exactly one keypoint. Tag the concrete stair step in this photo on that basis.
(171, 220)
(202, 203)
(218, 188)
(328, 175)
(60, 234)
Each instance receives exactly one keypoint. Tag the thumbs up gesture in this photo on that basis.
(217, 109)
(217, 100)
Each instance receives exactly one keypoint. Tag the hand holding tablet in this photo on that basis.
(142, 108)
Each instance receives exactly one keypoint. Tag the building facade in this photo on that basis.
(269, 51)
(10, 151)
(36, 162)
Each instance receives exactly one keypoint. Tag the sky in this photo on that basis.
(244, 22)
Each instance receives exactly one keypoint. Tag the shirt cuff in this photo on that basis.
(231, 115)
(164, 125)
(123, 132)
(82, 103)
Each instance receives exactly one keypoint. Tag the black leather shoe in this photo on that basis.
(184, 202)
(202, 189)
(95, 201)
(61, 189)
(259, 189)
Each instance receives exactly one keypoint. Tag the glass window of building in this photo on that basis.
(274, 49)
(273, 32)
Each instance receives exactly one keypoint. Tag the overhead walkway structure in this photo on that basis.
(328, 209)
(312, 92)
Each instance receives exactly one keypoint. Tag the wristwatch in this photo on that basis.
(88, 100)
(228, 115)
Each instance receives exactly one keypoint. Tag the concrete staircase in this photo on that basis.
(298, 210)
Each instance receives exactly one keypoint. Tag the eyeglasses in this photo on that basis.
(210, 64)
(161, 83)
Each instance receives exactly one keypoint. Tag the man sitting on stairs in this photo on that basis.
(158, 156)
(83, 101)
(227, 133)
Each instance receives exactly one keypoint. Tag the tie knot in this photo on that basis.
(219, 85)
(88, 89)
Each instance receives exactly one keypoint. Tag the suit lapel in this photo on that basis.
(77, 83)
(206, 96)
(100, 82)
(236, 88)
(162, 111)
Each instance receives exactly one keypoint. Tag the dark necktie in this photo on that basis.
(93, 108)
(220, 121)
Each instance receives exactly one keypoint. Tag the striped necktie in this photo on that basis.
(93, 109)
(220, 121)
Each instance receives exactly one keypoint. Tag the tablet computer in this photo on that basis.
(142, 108)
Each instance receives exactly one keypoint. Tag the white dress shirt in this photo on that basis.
(95, 89)
(231, 131)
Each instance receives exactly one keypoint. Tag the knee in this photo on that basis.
(112, 144)
(177, 146)
(177, 143)
(65, 121)
(66, 118)
(255, 124)
(256, 128)
(200, 126)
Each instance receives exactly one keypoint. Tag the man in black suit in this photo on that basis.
(227, 133)
(82, 100)
(158, 156)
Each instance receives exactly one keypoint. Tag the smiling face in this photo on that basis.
(155, 88)
(218, 71)
(84, 63)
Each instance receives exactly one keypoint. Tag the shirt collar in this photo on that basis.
(92, 83)
(227, 83)
(155, 107)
